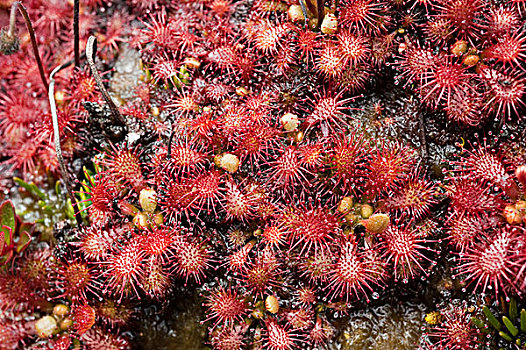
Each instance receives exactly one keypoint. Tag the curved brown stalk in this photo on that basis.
(18, 5)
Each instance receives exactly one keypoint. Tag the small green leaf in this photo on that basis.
(7, 221)
(30, 187)
(511, 327)
(523, 321)
(70, 212)
(491, 319)
(505, 336)
(4, 259)
(7, 214)
(58, 189)
(27, 227)
(513, 310)
(478, 323)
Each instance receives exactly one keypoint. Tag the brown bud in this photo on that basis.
(377, 223)
(366, 210)
(470, 60)
(512, 215)
(140, 221)
(9, 42)
(66, 323)
(459, 48)
(345, 205)
(61, 310)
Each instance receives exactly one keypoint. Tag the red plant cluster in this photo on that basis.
(468, 60)
(485, 223)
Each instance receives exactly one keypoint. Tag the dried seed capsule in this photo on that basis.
(9, 42)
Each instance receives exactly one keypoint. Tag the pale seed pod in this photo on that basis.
(272, 304)
(148, 200)
(158, 219)
(60, 96)
(140, 221)
(192, 62)
(46, 327)
(155, 111)
(289, 121)
(241, 91)
(329, 25)
(228, 162)
(295, 13)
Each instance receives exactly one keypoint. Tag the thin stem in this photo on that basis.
(169, 154)
(90, 51)
(422, 127)
(76, 40)
(321, 11)
(33, 40)
(304, 10)
(56, 139)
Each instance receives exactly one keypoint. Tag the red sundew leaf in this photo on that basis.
(23, 241)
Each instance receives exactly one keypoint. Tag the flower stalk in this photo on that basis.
(56, 140)
(90, 51)
(11, 31)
